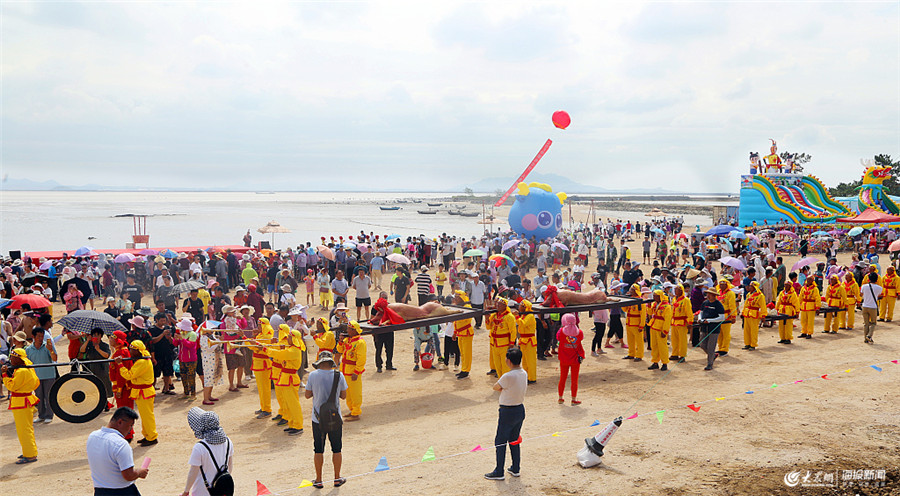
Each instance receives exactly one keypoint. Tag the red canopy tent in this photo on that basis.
(871, 216)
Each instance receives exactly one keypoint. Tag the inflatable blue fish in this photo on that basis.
(537, 211)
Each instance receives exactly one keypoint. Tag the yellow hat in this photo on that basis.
(462, 295)
(296, 339)
(20, 353)
(355, 325)
(137, 344)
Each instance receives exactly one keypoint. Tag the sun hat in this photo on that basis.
(206, 426)
(228, 309)
(568, 327)
(324, 356)
(286, 287)
(138, 322)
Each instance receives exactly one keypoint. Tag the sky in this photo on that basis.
(413, 95)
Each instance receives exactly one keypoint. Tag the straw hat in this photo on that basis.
(324, 356)
(228, 309)
(286, 287)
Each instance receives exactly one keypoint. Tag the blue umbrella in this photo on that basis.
(720, 230)
(392, 236)
(4, 302)
(85, 251)
(728, 244)
(169, 254)
(657, 230)
(349, 246)
(737, 235)
(821, 233)
(856, 231)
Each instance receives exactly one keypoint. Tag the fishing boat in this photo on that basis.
(427, 212)
(389, 208)
(434, 204)
(453, 212)
(469, 214)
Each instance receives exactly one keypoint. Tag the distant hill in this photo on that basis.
(559, 183)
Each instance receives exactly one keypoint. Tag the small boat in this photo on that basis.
(453, 212)
(434, 204)
(469, 214)
(427, 212)
(389, 208)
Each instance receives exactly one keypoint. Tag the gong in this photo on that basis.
(78, 397)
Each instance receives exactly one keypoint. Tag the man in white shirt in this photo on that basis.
(476, 298)
(870, 293)
(110, 456)
(512, 386)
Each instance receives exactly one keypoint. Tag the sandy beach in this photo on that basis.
(741, 444)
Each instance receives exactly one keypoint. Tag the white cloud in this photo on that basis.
(408, 93)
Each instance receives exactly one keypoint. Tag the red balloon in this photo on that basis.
(561, 119)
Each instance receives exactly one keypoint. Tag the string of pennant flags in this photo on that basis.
(429, 456)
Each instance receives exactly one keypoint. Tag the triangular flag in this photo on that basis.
(848, 370)
(555, 434)
(517, 441)
(659, 415)
(633, 416)
(429, 455)
(720, 399)
(305, 483)
(773, 386)
(896, 361)
(748, 392)
(876, 367)
(261, 489)
(694, 407)
(799, 380)
(382, 465)
(596, 422)
(476, 448)
(825, 376)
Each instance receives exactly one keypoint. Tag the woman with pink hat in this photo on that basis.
(571, 353)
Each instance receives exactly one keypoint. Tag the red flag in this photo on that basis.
(633, 416)
(517, 441)
(476, 448)
(261, 489)
(826, 377)
(694, 407)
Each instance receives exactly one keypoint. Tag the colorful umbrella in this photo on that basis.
(499, 256)
(398, 258)
(804, 262)
(169, 254)
(124, 258)
(30, 299)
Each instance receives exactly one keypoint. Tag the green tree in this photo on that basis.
(468, 191)
(845, 189)
(799, 158)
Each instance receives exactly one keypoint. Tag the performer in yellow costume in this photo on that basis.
(262, 369)
(835, 296)
(854, 298)
(502, 327)
(635, 317)
(526, 326)
(463, 334)
(787, 304)
(682, 320)
(810, 301)
(21, 383)
(324, 337)
(890, 284)
(141, 377)
(353, 364)
(291, 359)
(753, 312)
(660, 324)
(726, 296)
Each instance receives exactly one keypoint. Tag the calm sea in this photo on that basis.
(43, 220)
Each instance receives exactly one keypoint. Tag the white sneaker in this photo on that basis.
(37, 421)
(47, 421)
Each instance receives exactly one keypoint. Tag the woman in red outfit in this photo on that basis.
(571, 353)
(121, 387)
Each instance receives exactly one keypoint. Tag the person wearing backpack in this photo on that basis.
(326, 386)
(211, 459)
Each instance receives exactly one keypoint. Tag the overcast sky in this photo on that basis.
(417, 94)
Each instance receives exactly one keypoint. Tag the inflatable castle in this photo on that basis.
(777, 192)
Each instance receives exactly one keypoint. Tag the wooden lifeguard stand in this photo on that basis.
(140, 235)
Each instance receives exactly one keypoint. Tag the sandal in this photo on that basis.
(318, 485)
(561, 401)
(24, 460)
(340, 481)
(208, 402)
(576, 402)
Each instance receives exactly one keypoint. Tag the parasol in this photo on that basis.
(85, 251)
(895, 246)
(84, 321)
(474, 252)
(856, 231)
(788, 233)
(148, 251)
(803, 263)
(509, 244)
(325, 252)
(398, 258)
(83, 286)
(560, 246)
(734, 263)
(186, 286)
(124, 258)
(271, 228)
(32, 300)
(499, 256)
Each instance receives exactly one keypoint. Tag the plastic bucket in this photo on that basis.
(427, 360)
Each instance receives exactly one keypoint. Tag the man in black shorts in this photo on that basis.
(362, 283)
(163, 351)
(318, 387)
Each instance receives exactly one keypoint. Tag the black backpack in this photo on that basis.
(330, 413)
(222, 483)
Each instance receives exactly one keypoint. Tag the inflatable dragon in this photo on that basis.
(871, 192)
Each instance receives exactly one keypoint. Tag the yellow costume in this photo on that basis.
(754, 311)
(291, 359)
(141, 376)
(787, 304)
(835, 296)
(204, 296)
(853, 298)
(810, 301)
(277, 367)
(502, 327)
(890, 284)
(635, 317)
(262, 367)
(726, 296)
(353, 361)
(527, 327)
(22, 400)
(660, 324)
(325, 341)
(682, 320)
(464, 332)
